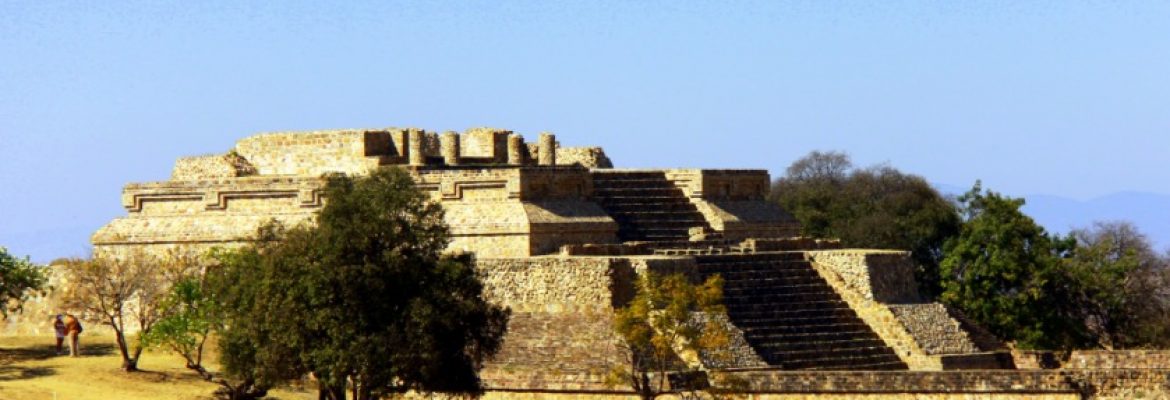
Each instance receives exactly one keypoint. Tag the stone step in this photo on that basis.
(632, 184)
(827, 352)
(812, 345)
(860, 363)
(762, 257)
(819, 304)
(694, 244)
(692, 251)
(653, 231)
(778, 283)
(615, 210)
(645, 202)
(772, 303)
(764, 331)
(781, 294)
(830, 332)
(619, 174)
(758, 267)
(661, 224)
(664, 212)
(666, 217)
(778, 303)
(794, 321)
(614, 191)
(748, 314)
(775, 273)
(756, 279)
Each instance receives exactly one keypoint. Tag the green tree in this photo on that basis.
(18, 278)
(1003, 271)
(670, 320)
(877, 207)
(1119, 287)
(364, 299)
(190, 316)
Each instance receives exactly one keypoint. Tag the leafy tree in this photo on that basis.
(877, 207)
(364, 299)
(1003, 271)
(668, 320)
(18, 278)
(122, 290)
(190, 317)
(1119, 287)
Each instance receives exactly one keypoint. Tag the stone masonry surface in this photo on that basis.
(550, 229)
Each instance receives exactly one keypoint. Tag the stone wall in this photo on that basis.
(198, 214)
(588, 157)
(1118, 359)
(788, 244)
(484, 143)
(497, 212)
(556, 284)
(597, 395)
(918, 382)
(881, 275)
(1093, 359)
(1088, 384)
(561, 336)
(229, 165)
(934, 329)
(314, 153)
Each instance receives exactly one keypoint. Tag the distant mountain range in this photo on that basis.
(1150, 212)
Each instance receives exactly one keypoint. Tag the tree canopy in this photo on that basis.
(364, 296)
(1120, 288)
(1004, 271)
(669, 319)
(876, 207)
(18, 277)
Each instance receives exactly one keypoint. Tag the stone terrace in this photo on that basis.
(560, 237)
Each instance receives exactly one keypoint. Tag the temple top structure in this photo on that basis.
(502, 196)
(356, 151)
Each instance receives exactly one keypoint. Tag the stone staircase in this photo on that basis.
(792, 317)
(647, 206)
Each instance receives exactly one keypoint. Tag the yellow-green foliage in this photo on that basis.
(665, 329)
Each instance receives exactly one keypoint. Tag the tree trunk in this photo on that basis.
(647, 392)
(129, 364)
(361, 391)
(325, 392)
(132, 364)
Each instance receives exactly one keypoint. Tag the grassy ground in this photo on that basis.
(31, 369)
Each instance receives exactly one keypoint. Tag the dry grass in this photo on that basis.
(31, 369)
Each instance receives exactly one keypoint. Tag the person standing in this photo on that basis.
(72, 328)
(59, 328)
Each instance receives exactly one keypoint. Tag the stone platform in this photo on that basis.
(560, 237)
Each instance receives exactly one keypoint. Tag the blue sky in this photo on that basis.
(1062, 98)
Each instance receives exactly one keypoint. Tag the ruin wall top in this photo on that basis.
(357, 151)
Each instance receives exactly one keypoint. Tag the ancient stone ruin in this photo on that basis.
(560, 237)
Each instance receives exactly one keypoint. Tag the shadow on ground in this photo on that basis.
(13, 373)
(10, 357)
